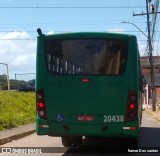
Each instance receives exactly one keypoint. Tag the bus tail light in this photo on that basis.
(40, 107)
(131, 106)
(131, 110)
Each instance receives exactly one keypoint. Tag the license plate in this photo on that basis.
(85, 118)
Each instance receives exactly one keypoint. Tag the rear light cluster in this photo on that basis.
(41, 109)
(131, 111)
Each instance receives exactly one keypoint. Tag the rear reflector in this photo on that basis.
(129, 128)
(132, 128)
(43, 126)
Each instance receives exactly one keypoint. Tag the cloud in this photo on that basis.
(16, 35)
(50, 33)
(142, 49)
(18, 50)
(116, 30)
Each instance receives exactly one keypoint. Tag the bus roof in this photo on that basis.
(88, 35)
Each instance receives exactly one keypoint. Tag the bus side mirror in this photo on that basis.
(39, 31)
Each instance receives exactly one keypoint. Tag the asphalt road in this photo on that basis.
(149, 137)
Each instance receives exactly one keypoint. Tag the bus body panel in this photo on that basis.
(111, 130)
(66, 96)
(91, 98)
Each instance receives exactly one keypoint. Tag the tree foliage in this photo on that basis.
(3, 81)
(16, 85)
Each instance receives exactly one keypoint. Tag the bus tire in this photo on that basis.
(77, 141)
(66, 141)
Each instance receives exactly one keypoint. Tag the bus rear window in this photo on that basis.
(86, 56)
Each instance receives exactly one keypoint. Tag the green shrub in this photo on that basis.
(16, 108)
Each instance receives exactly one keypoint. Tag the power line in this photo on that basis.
(18, 39)
(64, 22)
(104, 22)
(36, 39)
(69, 7)
(32, 31)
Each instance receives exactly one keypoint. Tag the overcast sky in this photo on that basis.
(21, 18)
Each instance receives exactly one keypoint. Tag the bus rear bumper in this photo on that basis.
(125, 129)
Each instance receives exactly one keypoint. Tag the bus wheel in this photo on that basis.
(66, 141)
(77, 141)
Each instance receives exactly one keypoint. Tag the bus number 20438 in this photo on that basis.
(113, 118)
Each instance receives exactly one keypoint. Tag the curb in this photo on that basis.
(12, 134)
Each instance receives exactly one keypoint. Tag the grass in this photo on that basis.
(155, 114)
(16, 108)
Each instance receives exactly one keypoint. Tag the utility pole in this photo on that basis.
(7, 75)
(150, 56)
(151, 61)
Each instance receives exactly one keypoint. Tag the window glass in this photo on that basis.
(86, 56)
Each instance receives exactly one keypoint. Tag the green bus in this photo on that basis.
(88, 84)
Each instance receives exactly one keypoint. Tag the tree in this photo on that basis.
(21, 85)
(3, 82)
(32, 83)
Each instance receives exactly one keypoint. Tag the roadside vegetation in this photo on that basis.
(16, 108)
(155, 114)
